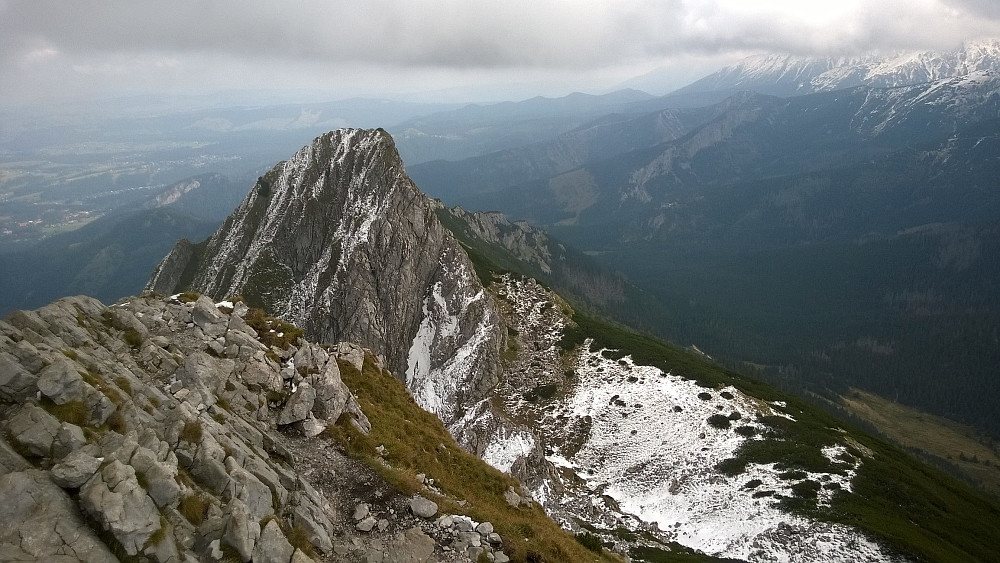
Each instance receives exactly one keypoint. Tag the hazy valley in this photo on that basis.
(594, 327)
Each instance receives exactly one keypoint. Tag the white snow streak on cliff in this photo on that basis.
(435, 387)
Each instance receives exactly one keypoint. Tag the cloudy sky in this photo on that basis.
(72, 49)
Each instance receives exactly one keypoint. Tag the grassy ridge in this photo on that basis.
(417, 442)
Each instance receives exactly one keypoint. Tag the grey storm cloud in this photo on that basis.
(89, 44)
(468, 33)
(440, 32)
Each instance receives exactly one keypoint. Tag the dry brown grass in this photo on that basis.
(417, 442)
(931, 435)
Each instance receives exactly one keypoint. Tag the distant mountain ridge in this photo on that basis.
(790, 75)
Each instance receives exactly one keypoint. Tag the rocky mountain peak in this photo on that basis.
(339, 240)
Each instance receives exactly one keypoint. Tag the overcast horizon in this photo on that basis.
(445, 50)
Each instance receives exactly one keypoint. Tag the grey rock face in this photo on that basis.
(242, 530)
(193, 439)
(41, 523)
(272, 547)
(339, 240)
(114, 498)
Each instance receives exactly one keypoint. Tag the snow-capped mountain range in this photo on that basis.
(789, 75)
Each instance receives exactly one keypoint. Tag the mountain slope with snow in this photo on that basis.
(789, 75)
(655, 450)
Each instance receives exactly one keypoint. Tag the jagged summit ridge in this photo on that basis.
(338, 240)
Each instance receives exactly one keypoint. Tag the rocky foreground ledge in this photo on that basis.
(178, 429)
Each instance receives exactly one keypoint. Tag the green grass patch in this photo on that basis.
(272, 331)
(417, 442)
(193, 507)
(192, 431)
(590, 541)
(132, 337)
(541, 392)
(73, 412)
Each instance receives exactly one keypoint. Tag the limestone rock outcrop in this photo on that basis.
(156, 422)
(338, 240)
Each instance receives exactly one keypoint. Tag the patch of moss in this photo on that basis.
(188, 297)
(546, 391)
(272, 331)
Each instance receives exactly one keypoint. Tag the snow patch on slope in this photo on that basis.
(652, 449)
(642, 438)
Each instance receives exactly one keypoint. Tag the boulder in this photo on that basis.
(242, 530)
(361, 511)
(410, 546)
(202, 371)
(366, 524)
(34, 429)
(69, 438)
(297, 406)
(75, 469)
(16, 383)
(162, 484)
(208, 317)
(114, 498)
(312, 427)
(61, 382)
(10, 460)
(272, 547)
(312, 519)
(351, 353)
(422, 507)
(331, 393)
